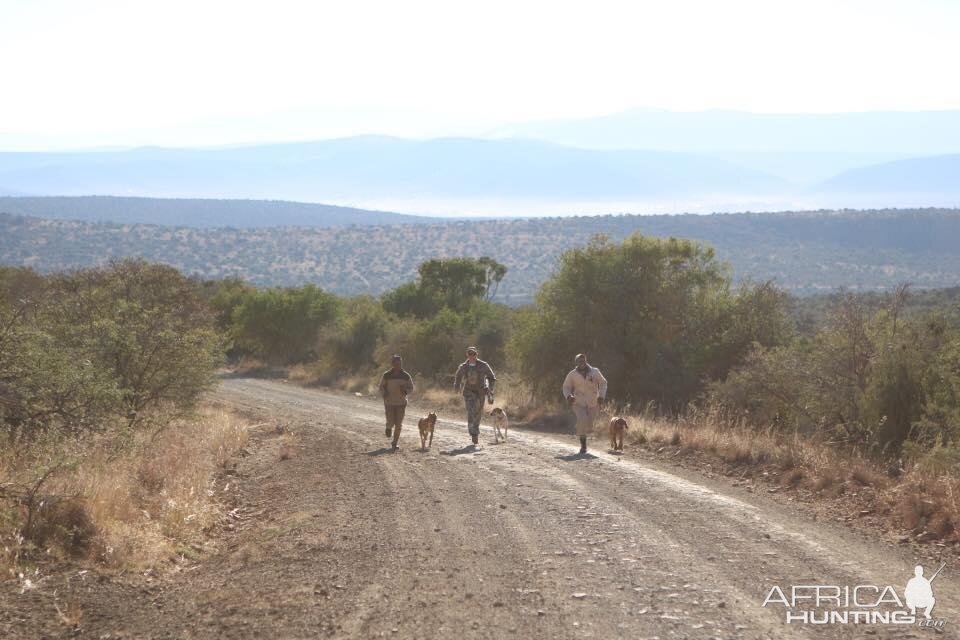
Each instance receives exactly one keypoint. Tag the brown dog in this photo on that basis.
(426, 426)
(618, 426)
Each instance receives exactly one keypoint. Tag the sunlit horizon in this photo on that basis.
(109, 74)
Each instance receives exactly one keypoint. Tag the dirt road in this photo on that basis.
(523, 539)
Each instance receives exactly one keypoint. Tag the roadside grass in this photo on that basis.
(910, 496)
(318, 375)
(133, 509)
(518, 399)
(508, 394)
(441, 399)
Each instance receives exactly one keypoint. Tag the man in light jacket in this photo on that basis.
(585, 389)
(395, 385)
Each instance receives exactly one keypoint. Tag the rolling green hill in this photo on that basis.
(803, 252)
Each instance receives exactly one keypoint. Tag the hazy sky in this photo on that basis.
(100, 73)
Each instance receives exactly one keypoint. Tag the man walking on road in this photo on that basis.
(585, 389)
(475, 378)
(395, 385)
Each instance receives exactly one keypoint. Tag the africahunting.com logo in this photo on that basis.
(860, 604)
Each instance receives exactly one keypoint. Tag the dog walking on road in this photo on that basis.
(426, 427)
(501, 424)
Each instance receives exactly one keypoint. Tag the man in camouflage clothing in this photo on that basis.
(475, 378)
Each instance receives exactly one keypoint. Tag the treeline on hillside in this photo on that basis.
(801, 252)
(811, 312)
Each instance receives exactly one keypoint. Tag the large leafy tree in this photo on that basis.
(657, 315)
(80, 349)
(283, 324)
(454, 283)
(144, 322)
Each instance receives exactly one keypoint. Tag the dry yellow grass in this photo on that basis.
(439, 398)
(514, 398)
(317, 374)
(920, 498)
(142, 507)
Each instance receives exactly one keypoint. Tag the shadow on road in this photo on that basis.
(470, 448)
(559, 423)
(577, 456)
(379, 452)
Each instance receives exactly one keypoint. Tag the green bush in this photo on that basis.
(147, 325)
(283, 325)
(351, 345)
(658, 316)
(868, 376)
(81, 347)
(434, 347)
(410, 300)
(49, 386)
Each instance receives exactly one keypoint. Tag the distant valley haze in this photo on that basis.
(639, 161)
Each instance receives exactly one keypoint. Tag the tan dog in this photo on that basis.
(500, 424)
(618, 426)
(426, 426)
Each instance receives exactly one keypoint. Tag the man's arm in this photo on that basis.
(491, 379)
(457, 378)
(567, 387)
(602, 385)
(383, 385)
(408, 384)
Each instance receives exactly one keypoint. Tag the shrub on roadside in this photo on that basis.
(91, 363)
(873, 380)
(659, 316)
(282, 325)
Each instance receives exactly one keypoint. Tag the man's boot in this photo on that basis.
(475, 438)
(583, 445)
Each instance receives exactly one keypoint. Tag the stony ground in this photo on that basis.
(344, 538)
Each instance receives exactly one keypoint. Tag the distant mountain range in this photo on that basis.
(914, 176)
(200, 212)
(640, 161)
(802, 252)
(371, 167)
